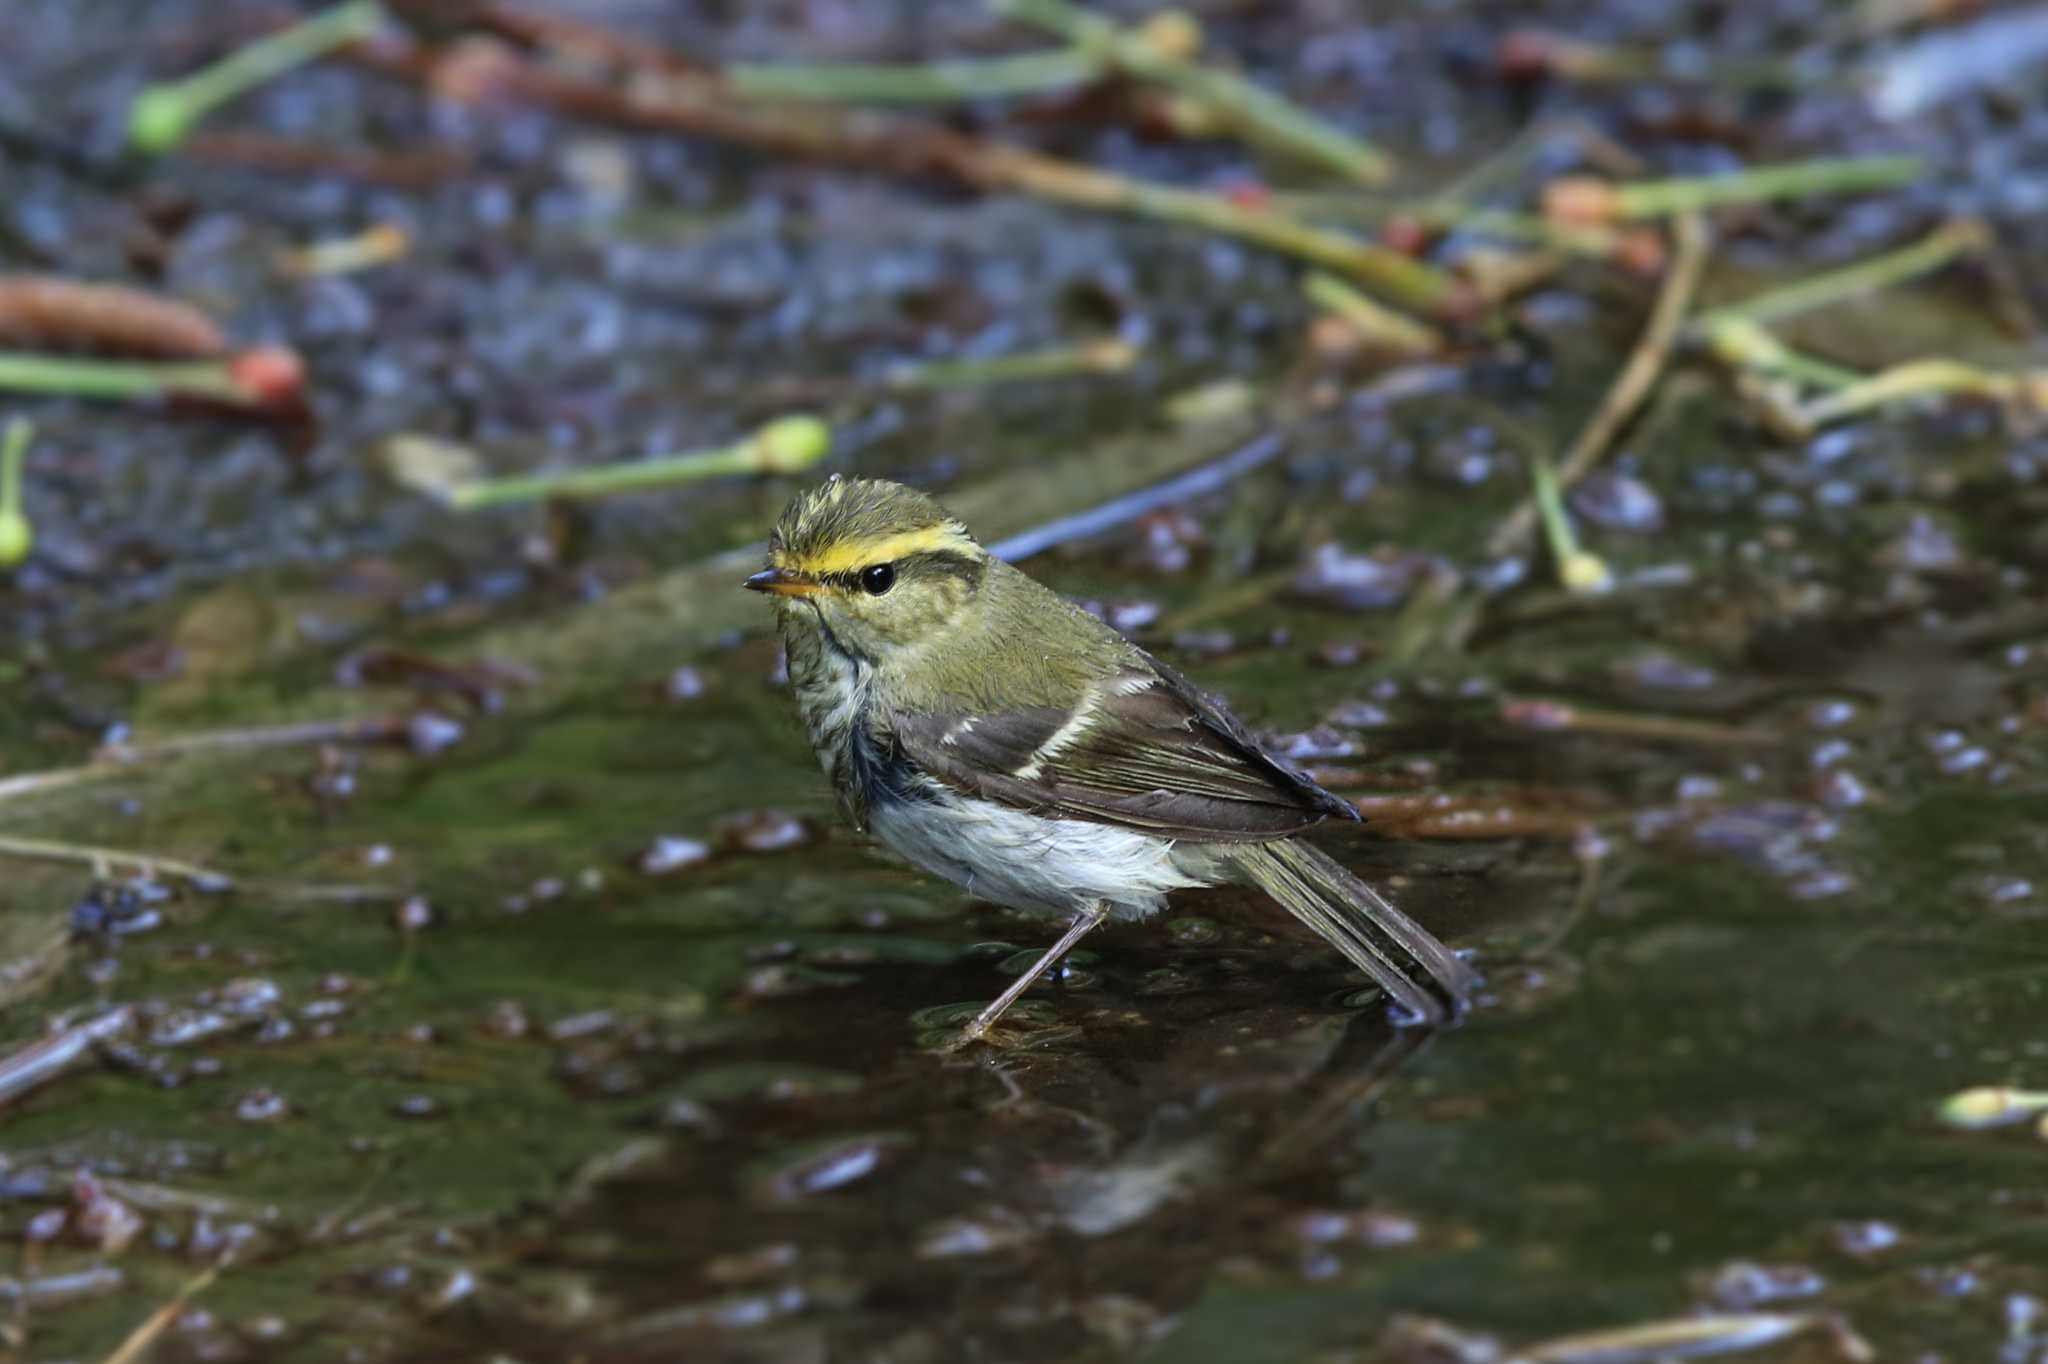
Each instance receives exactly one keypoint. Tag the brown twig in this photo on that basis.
(1645, 363)
(38, 311)
(259, 151)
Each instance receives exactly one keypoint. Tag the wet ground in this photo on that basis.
(550, 1015)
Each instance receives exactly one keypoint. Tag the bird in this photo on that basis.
(993, 733)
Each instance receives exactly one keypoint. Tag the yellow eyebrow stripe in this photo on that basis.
(860, 553)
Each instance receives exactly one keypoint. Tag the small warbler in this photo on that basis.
(997, 735)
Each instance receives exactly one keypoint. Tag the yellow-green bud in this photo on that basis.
(1991, 1106)
(1173, 34)
(17, 537)
(1585, 574)
(159, 119)
(790, 445)
(1739, 341)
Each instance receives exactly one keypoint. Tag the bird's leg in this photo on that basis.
(1087, 919)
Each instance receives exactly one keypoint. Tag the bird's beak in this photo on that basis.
(781, 584)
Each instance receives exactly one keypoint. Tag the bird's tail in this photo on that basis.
(1420, 973)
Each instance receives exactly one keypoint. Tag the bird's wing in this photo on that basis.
(1141, 748)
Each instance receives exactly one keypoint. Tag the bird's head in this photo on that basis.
(882, 566)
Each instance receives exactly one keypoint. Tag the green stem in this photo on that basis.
(17, 535)
(13, 454)
(1738, 341)
(26, 373)
(1834, 176)
(163, 114)
(1925, 256)
(1375, 321)
(1579, 571)
(1026, 73)
(1402, 278)
(1914, 379)
(1257, 113)
(1094, 357)
(607, 479)
(787, 445)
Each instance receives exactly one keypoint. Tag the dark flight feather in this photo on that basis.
(1158, 756)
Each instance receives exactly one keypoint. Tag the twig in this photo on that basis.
(131, 1350)
(789, 445)
(1377, 324)
(1025, 73)
(1256, 113)
(1581, 573)
(163, 114)
(1587, 202)
(44, 1060)
(700, 106)
(1931, 253)
(2026, 393)
(1401, 278)
(1531, 713)
(46, 850)
(1632, 385)
(1527, 53)
(1739, 342)
(417, 167)
(1131, 506)
(1689, 1337)
(377, 729)
(35, 783)
(24, 373)
(1111, 356)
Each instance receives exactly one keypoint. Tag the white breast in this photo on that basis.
(1030, 861)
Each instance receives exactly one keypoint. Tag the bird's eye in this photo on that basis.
(877, 579)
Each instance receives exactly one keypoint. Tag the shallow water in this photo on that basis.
(460, 1070)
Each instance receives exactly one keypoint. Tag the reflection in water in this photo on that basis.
(1073, 1191)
